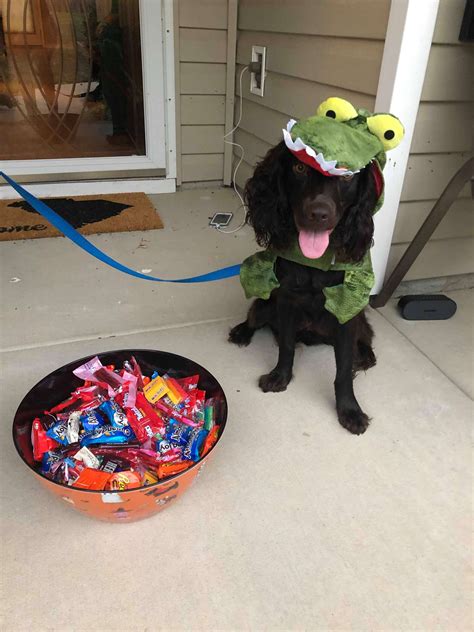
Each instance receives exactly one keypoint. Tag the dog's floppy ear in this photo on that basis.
(267, 200)
(356, 228)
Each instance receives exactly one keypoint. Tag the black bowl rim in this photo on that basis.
(134, 489)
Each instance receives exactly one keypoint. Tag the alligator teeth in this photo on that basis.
(328, 166)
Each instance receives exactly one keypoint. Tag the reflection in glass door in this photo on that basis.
(71, 79)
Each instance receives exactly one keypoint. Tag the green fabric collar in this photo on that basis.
(344, 301)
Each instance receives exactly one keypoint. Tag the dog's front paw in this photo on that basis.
(274, 382)
(241, 335)
(354, 419)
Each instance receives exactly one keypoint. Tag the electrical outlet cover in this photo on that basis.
(259, 53)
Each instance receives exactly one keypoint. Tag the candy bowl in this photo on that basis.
(120, 436)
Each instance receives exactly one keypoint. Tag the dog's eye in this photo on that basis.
(300, 169)
(347, 177)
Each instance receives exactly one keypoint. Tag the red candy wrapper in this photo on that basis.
(145, 422)
(189, 383)
(40, 440)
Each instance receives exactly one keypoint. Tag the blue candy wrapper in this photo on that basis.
(162, 446)
(108, 434)
(91, 420)
(114, 413)
(177, 432)
(193, 447)
(58, 432)
(48, 460)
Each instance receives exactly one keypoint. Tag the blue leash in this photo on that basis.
(71, 233)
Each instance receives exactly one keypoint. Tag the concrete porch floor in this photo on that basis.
(296, 524)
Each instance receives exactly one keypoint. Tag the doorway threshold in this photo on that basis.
(94, 187)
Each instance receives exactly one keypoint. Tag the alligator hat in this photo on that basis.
(340, 140)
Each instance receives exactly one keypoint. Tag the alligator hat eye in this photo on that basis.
(387, 128)
(337, 109)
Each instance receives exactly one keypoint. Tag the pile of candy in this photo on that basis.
(123, 430)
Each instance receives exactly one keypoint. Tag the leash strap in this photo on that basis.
(71, 233)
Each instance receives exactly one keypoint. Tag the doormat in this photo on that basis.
(89, 214)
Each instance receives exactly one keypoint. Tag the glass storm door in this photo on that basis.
(73, 80)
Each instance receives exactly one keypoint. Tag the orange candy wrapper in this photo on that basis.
(91, 479)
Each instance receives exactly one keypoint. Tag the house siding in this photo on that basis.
(314, 50)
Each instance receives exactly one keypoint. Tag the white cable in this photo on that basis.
(229, 142)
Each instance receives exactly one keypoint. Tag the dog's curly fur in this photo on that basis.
(284, 196)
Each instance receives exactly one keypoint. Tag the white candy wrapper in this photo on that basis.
(72, 432)
(89, 459)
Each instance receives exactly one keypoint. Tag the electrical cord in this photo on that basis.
(230, 142)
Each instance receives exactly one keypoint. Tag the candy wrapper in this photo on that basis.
(145, 421)
(40, 440)
(114, 413)
(58, 432)
(124, 480)
(108, 434)
(156, 389)
(91, 420)
(88, 458)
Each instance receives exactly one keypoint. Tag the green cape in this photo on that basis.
(258, 279)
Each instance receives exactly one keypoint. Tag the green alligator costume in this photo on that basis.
(337, 141)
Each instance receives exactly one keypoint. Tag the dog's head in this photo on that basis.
(287, 198)
(324, 182)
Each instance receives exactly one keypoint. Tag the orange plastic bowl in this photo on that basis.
(124, 506)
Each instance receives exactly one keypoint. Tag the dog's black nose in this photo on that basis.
(319, 215)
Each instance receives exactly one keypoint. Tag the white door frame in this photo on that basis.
(156, 23)
(405, 58)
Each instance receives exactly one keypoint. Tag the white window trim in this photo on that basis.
(405, 58)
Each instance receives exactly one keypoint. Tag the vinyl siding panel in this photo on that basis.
(449, 76)
(459, 221)
(255, 148)
(211, 14)
(202, 83)
(203, 167)
(338, 18)
(441, 144)
(202, 139)
(428, 174)
(443, 127)
(202, 109)
(202, 78)
(262, 122)
(203, 45)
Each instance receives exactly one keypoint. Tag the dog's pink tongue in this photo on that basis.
(314, 244)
